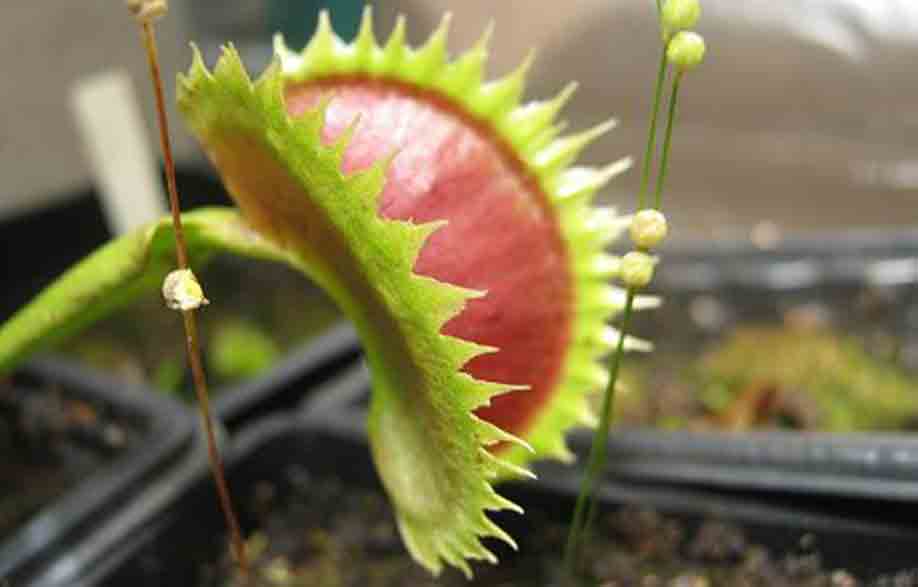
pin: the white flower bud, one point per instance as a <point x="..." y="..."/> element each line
<point x="637" y="269"/>
<point x="679" y="15"/>
<point x="148" y="10"/>
<point x="182" y="291"/>
<point x="648" y="228"/>
<point x="686" y="50"/>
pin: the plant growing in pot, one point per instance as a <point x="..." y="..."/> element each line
<point x="393" y="239"/>
<point x="307" y="491"/>
<point x="445" y="219"/>
<point x="790" y="370"/>
<point x="73" y="447"/>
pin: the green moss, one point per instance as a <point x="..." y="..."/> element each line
<point x="849" y="388"/>
<point x="770" y="376"/>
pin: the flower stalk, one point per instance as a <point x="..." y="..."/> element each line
<point x="147" y="12"/>
<point x="684" y="51"/>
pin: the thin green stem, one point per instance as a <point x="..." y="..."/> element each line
<point x="659" y="7"/>
<point x="586" y="506"/>
<point x="652" y="131"/>
<point x="667" y="140"/>
<point x="586" y="499"/>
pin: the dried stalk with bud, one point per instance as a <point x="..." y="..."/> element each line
<point x="181" y="290"/>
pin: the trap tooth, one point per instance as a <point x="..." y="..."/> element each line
<point x="490" y="434"/>
<point x="365" y="45"/>
<point x="605" y="298"/>
<point x="197" y="71"/>
<point x="610" y="337"/>
<point x="530" y="120"/>
<point x="428" y="61"/>
<point x="462" y="351"/>
<point x="604" y="225"/>
<point x="590" y="230"/>
<point x="645" y="302"/>
<point x="493" y="530"/>
<point x="506" y="469"/>
<point x="600" y="266"/>
<point x="452" y="552"/>
<point x="562" y="152"/>
<point x="541" y="141"/>
<point x="590" y="376"/>
<point x="497" y="502"/>
<point x="578" y="185"/>
<point x="467" y="71"/>
<point x="320" y="52"/>
<point x="269" y="86"/>
<point x="483" y="44"/>
<point x="499" y="97"/>
<point x="344" y="140"/>
<point x="229" y="66"/>
<point x="395" y="49"/>
<point x="280" y="47"/>
<point x="556" y="448"/>
<point x="480" y="393"/>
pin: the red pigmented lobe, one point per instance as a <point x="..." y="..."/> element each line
<point x="502" y="235"/>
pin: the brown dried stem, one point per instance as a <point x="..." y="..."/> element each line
<point x="192" y="346"/>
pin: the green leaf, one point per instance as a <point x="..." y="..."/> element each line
<point x="117" y="273"/>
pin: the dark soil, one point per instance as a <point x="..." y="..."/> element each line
<point x="258" y="312"/>
<point x="48" y="443"/>
<point x="836" y="359"/>
<point x="330" y="535"/>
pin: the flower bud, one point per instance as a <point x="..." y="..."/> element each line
<point x="686" y="50"/>
<point x="648" y="228"/>
<point x="148" y="10"/>
<point x="182" y="291"/>
<point x="637" y="269"/>
<point x="678" y="15"/>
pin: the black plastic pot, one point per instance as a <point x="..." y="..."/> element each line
<point x="180" y="537"/>
<point x="745" y="282"/>
<point x="348" y="392"/>
<point x="160" y="430"/>
<point x="165" y="424"/>
<point x="289" y="384"/>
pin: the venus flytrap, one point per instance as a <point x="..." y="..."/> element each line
<point x="683" y="50"/>
<point x="444" y="216"/>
